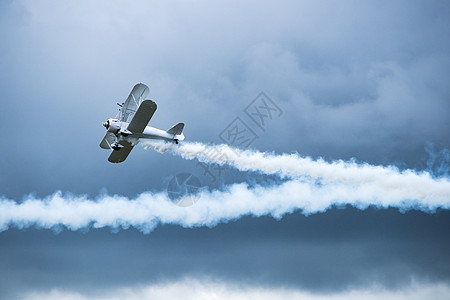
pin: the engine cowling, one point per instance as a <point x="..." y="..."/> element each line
<point x="112" y="125"/>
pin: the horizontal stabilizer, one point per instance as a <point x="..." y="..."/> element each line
<point x="177" y="129"/>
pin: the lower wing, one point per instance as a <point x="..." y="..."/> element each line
<point x="108" y="140"/>
<point x="118" y="156"/>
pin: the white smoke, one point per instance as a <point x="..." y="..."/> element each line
<point x="148" y="210"/>
<point x="387" y="180"/>
<point x="313" y="186"/>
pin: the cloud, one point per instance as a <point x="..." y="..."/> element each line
<point x="322" y="253"/>
<point x="196" y="289"/>
<point x="375" y="91"/>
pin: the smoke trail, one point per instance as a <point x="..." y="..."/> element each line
<point x="313" y="186"/>
<point x="148" y="210"/>
<point x="409" y="184"/>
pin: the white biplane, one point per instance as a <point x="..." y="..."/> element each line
<point x="130" y="125"/>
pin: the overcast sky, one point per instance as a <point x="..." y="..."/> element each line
<point x="363" y="80"/>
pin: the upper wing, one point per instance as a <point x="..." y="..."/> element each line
<point x="120" y="155"/>
<point x="109" y="139"/>
<point x="130" y="106"/>
<point x="142" y="116"/>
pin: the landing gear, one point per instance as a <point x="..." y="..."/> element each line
<point x="116" y="146"/>
<point x="176" y="141"/>
<point x="125" y="132"/>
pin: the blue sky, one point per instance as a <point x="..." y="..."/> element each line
<point x="353" y="80"/>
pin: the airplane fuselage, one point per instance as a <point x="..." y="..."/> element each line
<point x="119" y="129"/>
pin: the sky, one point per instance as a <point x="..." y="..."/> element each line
<point x="359" y="81"/>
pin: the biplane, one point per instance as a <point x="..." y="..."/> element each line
<point x="130" y="125"/>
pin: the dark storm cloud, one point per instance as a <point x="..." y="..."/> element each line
<point x="330" y="252"/>
<point x="364" y="80"/>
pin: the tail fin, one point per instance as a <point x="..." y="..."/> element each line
<point x="176" y="129"/>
